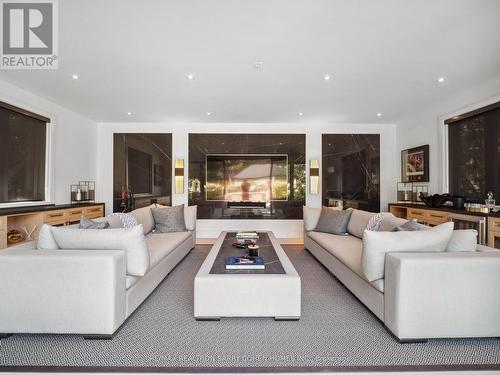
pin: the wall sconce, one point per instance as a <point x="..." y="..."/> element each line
<point x="179" y="176"/>
<point x="314" y="176"/>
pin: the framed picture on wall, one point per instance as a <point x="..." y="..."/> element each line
<point x="415" y="164"/>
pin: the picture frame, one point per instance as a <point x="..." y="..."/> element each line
<point x="415" y="164"/>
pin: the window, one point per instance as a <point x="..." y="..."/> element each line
<point x="23" y="140"/>
<point x="474" y="153"/>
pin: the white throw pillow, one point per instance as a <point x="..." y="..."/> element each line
<point x="311" y="216"/>
<point x="190" y="217"/>
<point x="377" y="244"/>
<point x="463" y="240"/>
<point x="144" y="216"/>
<point x="129" y="240"/>
<point x="46" y="240"/>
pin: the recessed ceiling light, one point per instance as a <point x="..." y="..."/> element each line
<point x="258" y="64"/>
<point x="301" y="113"/>
<point x="75" y="76"/>
<point x="327" y="77"/>
<point x="441" y="79"/>
<point x="190" y="77"/>
<point x="379" y="114"/>
<point x="129" y="113"/>
<point x="209" y="113"/>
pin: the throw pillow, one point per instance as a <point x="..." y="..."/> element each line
<point x="169" y="219"/>
<point x="410" y="226"/>
<point x="46" y="239"/>
<point x="358" y="222"/>
<point x="127" y="220"/>
<point x="131" y="241"/>
<point x="377" y="244"/>
<point x="90" y="224"/>
<point x="333" y="221"/>
<point x="376" y="220"/>
<point x="463" y="240"/>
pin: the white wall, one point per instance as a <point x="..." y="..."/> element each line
<point x="180" y="131"/>
<point x="73" y="140"/>
<point x="424" y="125"/>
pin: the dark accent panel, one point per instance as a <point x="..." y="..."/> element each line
<point x="351" y="170"/>
<point x="474" y="156"/>
<point x="142" y="167"/>
<point x="292" y="145"/>
<point x="23" y="141"/>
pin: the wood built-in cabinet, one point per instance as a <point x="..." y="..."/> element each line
<point x="37" y="216"/>
<point x="487" y="225"/>
<point x="494" y="232"/>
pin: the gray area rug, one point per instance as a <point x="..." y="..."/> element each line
<point x="335" y="331"/>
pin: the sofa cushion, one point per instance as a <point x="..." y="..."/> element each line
<point x="463" y="240"/>
<point x="145" y="217"/>
<point x="358" y="222"/>
<point x="333" y="221"/>
<point x="379" y="285"/>
<point x="347" y="249"/>
<point x="161" y="244"/>
<point x="131" y="280"/>
<point x="129" y="240"/>
<point x="389" y="222"/>
<point x="169" y="219"/>
<point x="377" y="244"/>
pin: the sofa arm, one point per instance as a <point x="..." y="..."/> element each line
<point x="430" y="295"/>
<point x="62" y="291"/>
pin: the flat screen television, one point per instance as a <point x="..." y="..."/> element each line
<point x="247" y="177"/>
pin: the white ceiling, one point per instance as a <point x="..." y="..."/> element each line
<point x="383" y="56"/>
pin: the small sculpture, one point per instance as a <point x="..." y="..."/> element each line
<point x="29" y="233"/>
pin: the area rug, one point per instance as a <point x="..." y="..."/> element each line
<point x="335" y="332"/>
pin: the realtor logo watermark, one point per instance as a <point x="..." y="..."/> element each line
<point x="29" y="34"/>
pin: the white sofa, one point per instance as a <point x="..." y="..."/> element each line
<point x="85" y="292"/>
<point x="422" y="295"/>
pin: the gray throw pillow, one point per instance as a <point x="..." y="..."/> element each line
<point x="91" y="224"/>
<point x="333" y="221"/>
<point x="410" y="226"/>
<point x="169" y="219"/>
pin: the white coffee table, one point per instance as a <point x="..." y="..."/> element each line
<point x="273" y="292"/>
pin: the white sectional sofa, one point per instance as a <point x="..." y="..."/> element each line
<point x="86" y="292"/>
<point x="422" y="294"/>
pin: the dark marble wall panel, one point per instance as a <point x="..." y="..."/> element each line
<point x="142" y="166"/>
<point x="351" y="170"/>
<point x="293" y="145"/>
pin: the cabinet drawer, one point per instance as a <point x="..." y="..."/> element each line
<point x="74" y="214"/>
<point x="416" y="213"/>
<point x="54" y="217"/>
<point x="494" y="224"/>
<point x="93" y="212"/>
<point x="436" y="217"/>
